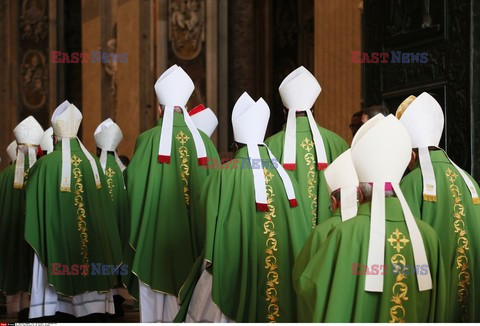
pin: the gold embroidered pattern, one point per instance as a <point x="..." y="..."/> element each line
<point x="307" y="145"/>
<point x="273" y="310"/>
<point x="81" y="213"/>
<point x="110" y="174"/>
<point x="184" y="168"/>
<point x="463" y="245"/>
<point x="399" y="290"/>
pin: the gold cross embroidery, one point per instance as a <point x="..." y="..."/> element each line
<point x="182" y="138"/>
<point x="452" y="176"/>
<point x="398" y="240"/>
<point x="76" y="160"/>
<point x="110" y="173"/>
<point x="307" y="144"/>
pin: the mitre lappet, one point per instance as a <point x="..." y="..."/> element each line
<point x="107" y="137"/>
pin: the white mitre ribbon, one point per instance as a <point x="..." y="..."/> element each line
<point x="31" y="151"/>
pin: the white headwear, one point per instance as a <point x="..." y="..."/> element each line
<point x="28" y="134"/>
<point x="174" y="88"/>
<point x="204" y="119"/>
<point x="423" y="118"/>
<point x="250" y="120"/>
<point x="66" y="121"/>
<point x="107" y="137"/>
<point x="298" y="91"/>
<point x="12" y="151"/>
<point x="381" y="156"/>
<point x="341" y="174"/>
<point x="46" y="144"/>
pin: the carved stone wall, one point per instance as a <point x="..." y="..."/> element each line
<point x="443" y="29"/>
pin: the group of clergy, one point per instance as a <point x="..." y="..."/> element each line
<point x="298" y="227"/>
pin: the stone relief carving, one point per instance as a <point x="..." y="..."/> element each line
<point x="33" y="19"/>
<point x="111" y="67"/>
<point x="187" y="27"/>
<point x="34" y="71"/>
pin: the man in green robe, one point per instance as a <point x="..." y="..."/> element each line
<point x="381" y="265"/>
<point x="71" y="227"/>
<point x="304" y="148"/>
<point x="107" y="137"/>
<point x="16" y="256"/>
<point x="167" y="170"/>
<point x="254" y="232"/>
<point x="445" y="197"/>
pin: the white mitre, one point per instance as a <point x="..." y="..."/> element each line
<point x="12" y="151"/>
<point x="298" y="91"/>
<point x="46" y="143"/>
<point x="380" y="156"/>
<point x="107" y="137"/>
<point x="204" y="119"/>
<point x="28" y="134"/>
<point x="341" y="175"/>
<point x="173" y="88"/>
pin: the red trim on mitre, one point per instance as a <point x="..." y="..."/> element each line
<point x="262" y="207"/>
<point x="293" y="202"/>
<point x="164" y="159"/>
<point x="290" y="166"/>
<point x="322" y="166"/>
<point x="39" y="151"/>
<point x="197" y="109"/>
<point x="202" y="161"/>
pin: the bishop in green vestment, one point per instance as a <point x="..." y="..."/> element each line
<point x="71" y="227"/>
<point x="303" y="147"/>
<point x="354" y="272"/>
<point x="445" y="197"/>
<point x="254" y="231"/>
<point x="167" y="170"/>
<point x="16" y="256"/>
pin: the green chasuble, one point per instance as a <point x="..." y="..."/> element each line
<point x="331" y="287"/>
<point x="72" y="228"/>
<point x="311" y="181"/>
<point x="250" y="253"/>
<point x="118" y="195"/>
<point x="16" y="256"/>
<point x="456" y="219"/>
<point x="160" y="196"/>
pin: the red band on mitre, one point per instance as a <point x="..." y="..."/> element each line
<point x="262" y="207"/>
<point x="293" y="202"/>
<point x="202" y="161"/>
<point x="39" y="151"/>
<point x="290" y="166"/>
<point x="195" y="110"/>
<point x="163" y="159"/>
<point x="322" y="166"/>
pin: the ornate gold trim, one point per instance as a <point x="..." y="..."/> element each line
<point x="110" y="173"/>
<point x="184" y="168"/>
<point x="399" y="289"/>
<point x="81" y="213"/>
<point x="462" y="243"/>
<point x="308" y="145"/>
<point x="273" y="310"/>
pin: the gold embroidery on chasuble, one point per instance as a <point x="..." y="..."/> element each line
<point x="463" y="246"/>
<point x="110" y="173"/>
<point x="184" y="168"/>
<point x="307" y="145"/>
<point x="399" y="290"/>
<point x="273" y="310"/>
<point x="81" y="213"/>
